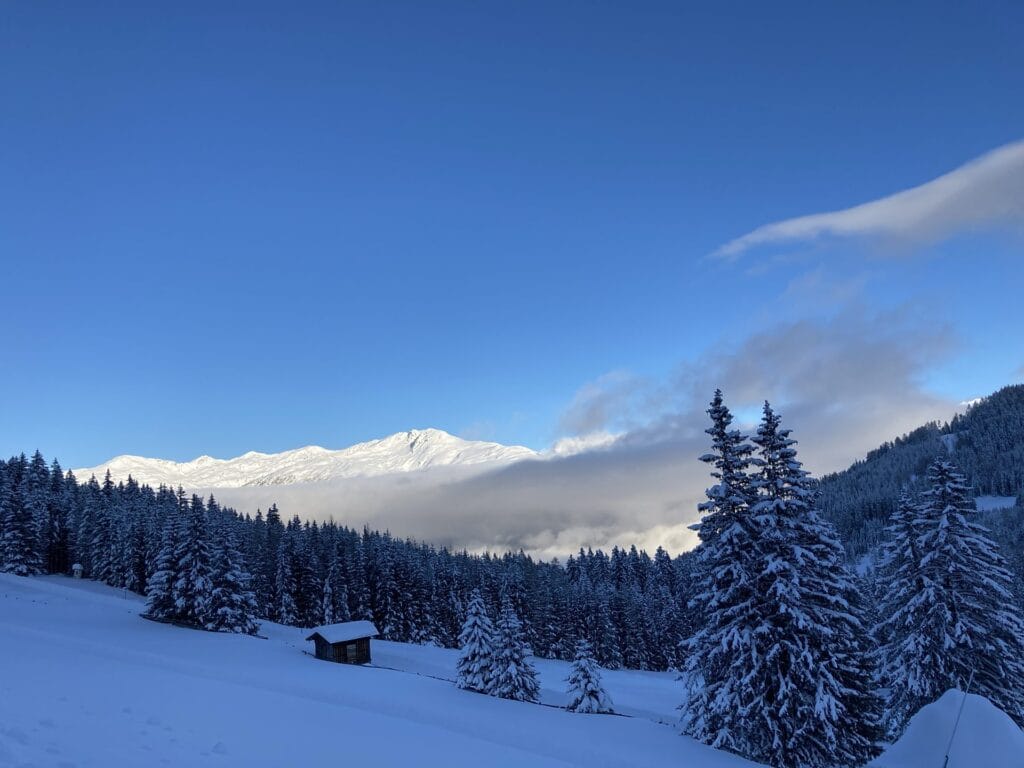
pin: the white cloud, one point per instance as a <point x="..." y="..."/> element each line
<point x="986" y="192"/>
<point x="592" y="441"/>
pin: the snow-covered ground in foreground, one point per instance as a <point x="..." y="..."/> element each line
<point x="85" y="682"/>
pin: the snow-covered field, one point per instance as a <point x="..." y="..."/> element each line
<point x="85" y="682"/>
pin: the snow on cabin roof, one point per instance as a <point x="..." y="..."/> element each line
<point x="345" y="631"/>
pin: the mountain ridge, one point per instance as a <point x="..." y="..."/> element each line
<point x="409" y="451"/>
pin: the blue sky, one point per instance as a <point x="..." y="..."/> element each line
<point x="227" y="228"/>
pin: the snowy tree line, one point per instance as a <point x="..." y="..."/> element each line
<point x="181" y="551"/>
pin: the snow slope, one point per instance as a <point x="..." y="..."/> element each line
<point x="403" y="452"/>
<point x="86" y="682"/>
<point x="986" y="737"/>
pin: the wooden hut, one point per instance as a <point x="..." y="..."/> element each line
<point x="346" y="643"/>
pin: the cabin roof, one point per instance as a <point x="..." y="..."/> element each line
<point x="345" y="631"/>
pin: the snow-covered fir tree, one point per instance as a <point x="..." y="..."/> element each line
<point x="232" y="605"/>
<point x="793" y="685"/>
<point x="586" y="694"/>
<point x="285" y="609"/>
<point x="475" y="667"/>
<point x="812" y="703"/>
<point x="513" y="676"/>
<point x="327" y="603"/>
<point x="723" y="602"/>
<point x="160" y="589"/>
<point x="949" y="609"/>
<point x="898" y="564"/>
<point x="193" y="587"/>
<point x="18" y="530"/>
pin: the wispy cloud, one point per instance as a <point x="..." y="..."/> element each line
<point x="986" y="192"/>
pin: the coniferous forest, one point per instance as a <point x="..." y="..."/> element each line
<point x="766" y="617"/>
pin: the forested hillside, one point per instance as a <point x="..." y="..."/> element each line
<point x="986" y="442"/>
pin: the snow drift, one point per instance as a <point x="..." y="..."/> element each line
<point x="985" y="738"/>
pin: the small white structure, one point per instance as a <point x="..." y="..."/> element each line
<point x="76" y="570"/>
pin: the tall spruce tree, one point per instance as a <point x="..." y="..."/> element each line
<point x="949" y="607"/>
<point x="513" y="675"/>
<point x="586" y="694"/>
<point x="285" y="609"/>
<point x="475" y="667"/>
<point x="792" y="678"/>
<point x="232" y="603"/>
<point x="724" y="599"/>
<point x="160" y="587"/>
<point x="194" y="586"/>
<point x="812" y="702"/>
<point x="17" y="528"/>
<point x="327" y="601"/>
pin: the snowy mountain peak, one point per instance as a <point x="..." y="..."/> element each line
<point x="409" y="451"/>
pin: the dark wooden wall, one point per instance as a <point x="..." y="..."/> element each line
<point x="351" y="652"/>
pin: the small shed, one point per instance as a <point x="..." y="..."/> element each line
<point x="346" y="643"/>
<point x="76" y="570"/>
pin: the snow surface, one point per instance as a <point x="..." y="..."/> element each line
<point x="989" y="503"/>
<point x="410" y="451"/>
<point x="87" y="682"/>
<point x="985" y="738"/>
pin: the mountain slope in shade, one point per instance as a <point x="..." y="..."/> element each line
<point x="402" y="452"/>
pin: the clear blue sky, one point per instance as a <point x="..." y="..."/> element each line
<point x="227" y="226"/>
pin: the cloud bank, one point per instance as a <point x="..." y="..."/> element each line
<point x="843" y="386"/>
<point x="983" y="193"/>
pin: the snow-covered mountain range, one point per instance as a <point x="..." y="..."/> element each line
<point x="402" y="452"/>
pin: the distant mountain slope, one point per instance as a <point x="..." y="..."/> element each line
<point x="986" y="442"/>
<point x="402" y="452"/>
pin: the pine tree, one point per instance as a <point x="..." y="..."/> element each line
<point x="724" y="601"/>
<point x="792" y="681"/>
<point x="812" y="704"/>
<point x="193" y="587"/>
<point x="359" y="594"/>
<point x="17" y="528"/>
<point x="476" y="660"/>
<point x="59" y="505"/>
<point x="950" y="610"/>
<point x="335" y="596"/>
<point x="232" y="603"/>
<point x="35" y="484"/>
<point x="327" y="603"/>
<point x="513" y="675"/>
<point x="160" y="589"/>
<point x="897" y="571"/>
<point x="285" y="611"/>
<point x="586" y="694"/>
